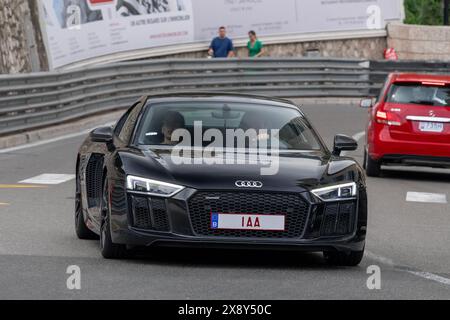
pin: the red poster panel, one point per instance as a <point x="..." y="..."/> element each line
<point x="101" y="2"/>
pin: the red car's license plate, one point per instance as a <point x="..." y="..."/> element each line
<point x="431" y="127"/>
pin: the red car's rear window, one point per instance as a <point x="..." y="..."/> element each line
<point x="417" y="93"/>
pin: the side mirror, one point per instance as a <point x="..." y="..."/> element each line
<point x="344" y="143"/>
<point x="366" y="103"/>
<point x="102" y="135"/>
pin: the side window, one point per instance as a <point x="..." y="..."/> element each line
<point x="128" y="127"/>
<point x="121" y="122"/>
<point x="384" y="89"/>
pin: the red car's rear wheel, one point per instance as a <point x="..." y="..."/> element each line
<point x="373" y="167"/>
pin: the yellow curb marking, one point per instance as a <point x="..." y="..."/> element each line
<point x="19" y="186"/>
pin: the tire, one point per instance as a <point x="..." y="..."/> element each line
<point x="108" y="249"/>
<point x="82" y="231"/>
<point x="339" y="258"/>
<point x="373" y="167"/>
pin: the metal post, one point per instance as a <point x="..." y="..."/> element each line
<point x="446" y="12"/>
<point x="30" y="39"/>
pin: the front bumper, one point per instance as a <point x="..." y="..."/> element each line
<point x="178" y="229"/>
<point x="149" y="239"/>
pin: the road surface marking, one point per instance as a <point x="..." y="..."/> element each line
<point x="18" y="186"/>
<point x="431" y="276"/>
<point x="49" y="178"/>
<point x="356" y="137"/>
<point x="426" y="197"/>
<point x="4" y="204"/>
<point x="422" y="274"/>
<point x="359" y="135"/>
<point x="378" y="258"/>
<point x="44" y="142"/>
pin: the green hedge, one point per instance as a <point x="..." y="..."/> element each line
<point x="425" y="12"/>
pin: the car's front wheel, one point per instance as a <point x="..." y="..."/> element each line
<point x="373" y="167"/>
<point x="344" y="258"/>
<point x="109" y="250"/>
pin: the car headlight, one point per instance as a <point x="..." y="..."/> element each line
<point x="337" y="192"/>
<point x="152" y="187"/>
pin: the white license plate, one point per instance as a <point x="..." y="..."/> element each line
<point x="261" y="222"/>
<point x="431" y="127"/>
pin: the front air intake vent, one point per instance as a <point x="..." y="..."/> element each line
<point x="338" y="219"/>
<point x="149" y="213"/>
<point x="94" y="180"/>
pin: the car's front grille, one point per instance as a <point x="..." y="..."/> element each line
<point x="149" y="213"/>
<point x="338" y="219"/>
<point x="293" y="206"/>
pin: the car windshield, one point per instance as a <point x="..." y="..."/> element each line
<point x="414" y="93"/>
<point x="261" y="122"/>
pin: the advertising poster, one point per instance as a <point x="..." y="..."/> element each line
<point x="82" y="29"/>
<point x="77" y="30"/>
<point x="272" y="17"/>
<point x="342" y="15"/>
<point x="266" y="17"/>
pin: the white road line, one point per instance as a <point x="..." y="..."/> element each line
<point x="422" y="274"/>
<point x="357" y="137"/>
<point x="48" y="141"/>
<point x="425" y="197"/>
<point x="431" y="276"/>
<point x="378" y="258"/>
<point x="49" y="178"/>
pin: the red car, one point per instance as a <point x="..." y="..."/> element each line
<point x="409" y="124"/>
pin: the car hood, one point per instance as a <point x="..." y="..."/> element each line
<point x="292" y="172"/>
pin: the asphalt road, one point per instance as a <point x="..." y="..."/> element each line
<point x="409" y="241"/>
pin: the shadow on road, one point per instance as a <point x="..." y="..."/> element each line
<point x="427" y="175"/>
<point x="211" y="258"/>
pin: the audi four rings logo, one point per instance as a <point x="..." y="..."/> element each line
<point x="249" y="184"/>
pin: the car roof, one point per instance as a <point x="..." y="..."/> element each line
<point x="415" y="77"/>
<point x="221" y="96"/>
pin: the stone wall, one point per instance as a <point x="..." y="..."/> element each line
<point x="365" y="48"/>
<point x="38" y="37"/>
<point x="21" y="46"/>
<point x="420" y="42"/>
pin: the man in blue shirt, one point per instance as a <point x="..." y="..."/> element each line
<point x="221" y="46"/>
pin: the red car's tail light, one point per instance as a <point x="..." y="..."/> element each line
<point x="388" y="118"/>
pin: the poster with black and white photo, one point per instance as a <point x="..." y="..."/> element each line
<point x="83" y="29"/>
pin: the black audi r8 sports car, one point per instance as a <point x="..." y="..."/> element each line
<point x="221" y="171"/>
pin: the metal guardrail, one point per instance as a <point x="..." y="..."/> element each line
<point x="30" y="101"/>
<point x="380" y="69"/>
